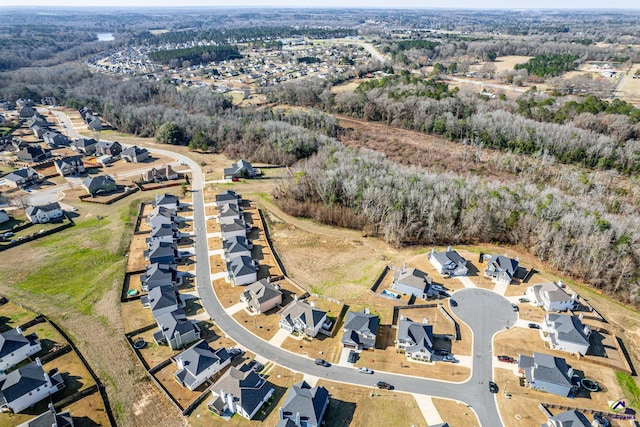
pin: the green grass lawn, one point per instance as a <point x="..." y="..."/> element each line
<point x="630" y="389"/>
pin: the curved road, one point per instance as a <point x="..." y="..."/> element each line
<point x="484" y="311"/>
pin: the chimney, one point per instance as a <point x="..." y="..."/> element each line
<point x="297" y="418"/>
<point x="312" y="304"/>
<point x="425" y="321"/>
<point x="404" y="267"/>
<point x="281" y="413"/>
<point x="366" y="311"/>
<point x="19" y="330"/>
<point x="180" y="362"/>
<point x="51" y="408"/>
<point x="581" y="316"/>
<point x="295" y="297"/>
<point x="449" y="249"/>
<point x="433" y="250"/>
<point x="587" y="331"/>
<point x="518" y="258"/>
<point x="38" y="362"/>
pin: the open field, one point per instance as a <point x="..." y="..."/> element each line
<point x="455" y="413"/>
<point x="630" y="90"/>
<point x="361" y="406"/>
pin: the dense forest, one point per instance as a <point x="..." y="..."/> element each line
<point x="548" y="65"/>
<point x="196" y="54"/>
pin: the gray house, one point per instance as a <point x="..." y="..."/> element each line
<point x="71" y="165"/>
<point x="161" y="253"/>
<point x="303" y="318"/>
<point x="33" y="154"/>
<point x="168" y="201"/>
<point x="176" y="330"/>
<point x="135" y="154"/>
<point x="161" y="215"/>
<point x="242" y="270"/>
<point x="448" y="263"/>
<point x="305" y="406"/>
<point x="241" y="169"/>
<point x="236" y="246"/>
<point x="161" y="300"/>
<point x="100" y="184"/>
<point x="360" y="330"/>
<point x="227" y="197"/>
<point x="15" y="347"/>
<point x="239" y="391"/>
<point x="567" y="333"/>
<point x="28" y="385"/>
<point x="198" y="363"/>
<point x="50" y="418"/>
<point x="544" y="372"/>
<point x="55" y="139"/>
<point x="108" y="148"/>
<point x="159" y="275"/>
<point x="571" y="418"/>
<point x="415" y="339"/>
<point x="412" y="281"/>
<point x="261" y="296"/>
<point x="501" y="269"/>
<point x="84" y="145"/>
<point x="44" y="213"/>
<point x="236" y="228"/>
<point x="21" y="177"/>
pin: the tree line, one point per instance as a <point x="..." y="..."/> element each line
<point x="196" y="54"/>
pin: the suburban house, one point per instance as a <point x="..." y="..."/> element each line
<point x="94" y="123"/>
<point x="168" y="201"/>
<point x="161" y="215"/>
<point x="99" y="184"/>
<point x="236" y="246"/>
<point x="161" y="300"/>
<point x="69" y="165"/>
<point x="227" y="197"/>
<point x="33" y="154"/>
<point x="412" y="281"/>
<point x="415" y="339"/>
<point x="26" y="112"/>
<point x="164" y="233"/>
<point x="241" y="169"/>
<point x="304" y="406"/>
<point x="159" y="275"/>
<point x="28" y="385"/>
<point x="198" y="363"/>
<point x="50" y="419"/>
<point x="230" y="213"/>
<point x="55" y="139"/>
<point x="21" y="177"/>
<point x="501" y="269"/>
<point x="448" y="263"/>
<point x="572" y="418"/>
<point x="360" y="330"/>
<point x="4" y="216"/>
<point x="45" y="213"/>
<point x="239" y="391"/>
<point x="108" y="148"/>
<point x="37" y="120"/>
<point x="261" y="296"/>
<point x="38" y="130"/>
<point x="85" y="146"/>
<point x="134" y="154"/>
<point x="236" y="228"/>
<point x="303" y="318"/>
<point x="551" y="296"/>
<point x="567" y="333"/>
<point x="544" y="372"/>
<point x="176" y="330"/>
<point x="15" y="347"/>
<point x="161" y="253"/>
<point x="158" y="175"/>
<point x="242" y="270"/>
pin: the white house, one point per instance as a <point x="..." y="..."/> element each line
<point x="239" y="391"/>
<point x="198" y="363"/>
<point x="261" y="296"/>
<point x="242" y="270"/>
<point x="15" y="347"/>
<point x="567" y="333"/>
<point x="303" y="318"/>
<point x="448" y="263"/>
<point x="415" y="339"/>
<point x="28" y="385"/>
<point x="551" y="297"/>
<point x="44" y="213"/>
<point x="412" y="281"/>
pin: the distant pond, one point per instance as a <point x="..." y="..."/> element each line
<point x="105" y="37"/>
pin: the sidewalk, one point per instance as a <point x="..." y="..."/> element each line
<point x="429" y="411"/>
<point x="466" y="282"/>
<point x="279" y="337"/>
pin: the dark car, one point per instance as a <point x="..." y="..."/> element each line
<point x="507" y="359"/>
<point x="383" y="385"/>
<point x="353" y="356"/>
<point x="255" y="365"/>
<point x="453" y="303"/>
<point x="514" y="307"/>
<point x="493" y="387"/>
<point x="322" y="362"/>
<point x="534" y="326"/>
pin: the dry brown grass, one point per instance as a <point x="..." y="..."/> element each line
<point x="136" y="261"/>
<point x="456" y="413"/>
<point x="88" y="411"/>
<point x="181" y="394"/>
<point x="134" y="316"/>
<point x="321" y="346"/>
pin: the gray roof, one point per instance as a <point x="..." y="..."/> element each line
<point x="413" y="277"/>
<point x="245" y="385"/>
<point x="230" y="209"/>
<point x="546" y="368"/>
<point x="309" y="315"/>
<point x="13" y="340"/>
<point x="262" y="291"/>
<point x="50" y="418"/>
<point x="21" y="381"/>
<point x="241" y="266"/>
<point x="21" y="174"/>
<point x="419" y="335"/>
<point x="197" y="359"/>
<point x="173" y="322"/>
<point x="501" y="263"/>
<point x="568" y="328"/>
<point x="49" y="207"/>
<point x="571" y="418"/>
<point x="84" y="142"/>
<point x="227" y="196"/>
<point x="357" y="325"/>
<point x="236" y="225"/>
<point x="447" y="257"/>
<point x="134" y="151"/>
<point x="93" y="183"/>
<point x="235" y="240"/>
<point x="156" y="272"/>
<point x="161" y="230"/>
<point x="70" y="160"/>
<point x="161" y="211"/>
<point x="161" y="297"/>
<point x="159" y="249"/>
<point x="309" y="402"/>
<point x="166" y="199"/>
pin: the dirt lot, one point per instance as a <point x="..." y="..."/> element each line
<point x="136" y="261"/>
<point x="88" y="411"/>
<point x="630" y="90"/>
<point x="134" y="316"/>
<point x="455" y="413"/>
<point x="183" y="395"/>
<point x="361" y="406"/>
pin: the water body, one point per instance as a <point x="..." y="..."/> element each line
<point x="105" y="37"/>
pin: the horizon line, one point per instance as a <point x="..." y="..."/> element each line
<point x="512" y="9"/>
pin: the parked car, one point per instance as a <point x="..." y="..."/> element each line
<point x="453" y="303"/>
<point x="323" y="362"/>
<point x="8" y="234"/>
<point x="449" y="358"/>
<point x="353" y="356"/>
<point x="234" y="351"/>
<point x="534" y="326"/>
<point x="437" y="287"/>
<point x="383" y="385"/>
<point x="514" y="307"/>
<point x="364" y="370"/>
<point x="523" y="300"/>
<point x="507" y="359"/>
<point x="493" y="387"/>
<point x="255" y="365"/>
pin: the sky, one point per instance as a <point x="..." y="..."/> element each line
<point x="466" y="4"/>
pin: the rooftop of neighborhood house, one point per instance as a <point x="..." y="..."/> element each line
<point x="263" y="290"/>
<point x="360" y="323"/>
<point x="568" y="328"/>
<point x="420" y="335"/>
<point x="546" y="368"/>
<point x="447" y="257"/>
<point x="197" y="359"/>
<point x="12" y="340"/>
<point x="412" y="277"/>
<point x="503" y="263"/>
<point x="244" y="384"/>
<point x="21" y="381"/>
<point x="308" y="314"/>
<point x="309" y="402"/>
<point x="571" y="418"/>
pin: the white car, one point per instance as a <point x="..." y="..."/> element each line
<point x="364" y="370"/>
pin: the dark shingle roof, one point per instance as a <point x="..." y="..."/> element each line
<point x="309" y="402"/>
<point x="413" y="277"/>
<point x="11" y="341"/>
<point x="358" y="324"/>
<point x="21" y="381"/>
<point x="245" y="385"/>
<point x="197" y="359"/>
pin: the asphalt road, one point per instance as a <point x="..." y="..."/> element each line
<point x="484" y="311"/>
